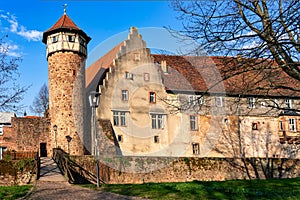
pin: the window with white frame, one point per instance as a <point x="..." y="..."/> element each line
<point x="288" y="103"/>
<point x="136" y="56"/>
<point x="219" y="101"/>
<point x="54" y="39"/>
<point x="251" y="102"/>
<point x="124" y="95"/>
<point x="193" y="122"/>
<point x="2" y="150"/>
<point x="292" y="124"/>
<point x="71" y="38"/>
<point x="119" y="118"/>
<point x="157" y="121"/>
<point x="196" y="148"/>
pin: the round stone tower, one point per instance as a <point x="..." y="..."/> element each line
<point x="66" y="54"/>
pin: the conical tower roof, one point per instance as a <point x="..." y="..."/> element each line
<point x="64" y="24"/>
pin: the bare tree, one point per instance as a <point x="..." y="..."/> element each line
<point x="11" y="93"/>
<point x="41" y="101"/>
<point x="257" y="29"/>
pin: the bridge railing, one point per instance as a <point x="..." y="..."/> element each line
<point x="74" y="172"/>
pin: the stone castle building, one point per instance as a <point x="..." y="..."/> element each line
<point x="162" y="105"/>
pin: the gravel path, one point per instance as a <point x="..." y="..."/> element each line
<point x="45" y="190"/>
<point x="52" y="185"/>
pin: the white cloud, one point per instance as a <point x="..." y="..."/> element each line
<point x="10" y="50"/>
<point x="15" y="27"/>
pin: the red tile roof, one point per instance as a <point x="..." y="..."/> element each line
<point x="230" y="75"/>
<point x="214" y="74"/>
<point x="64" y="22"/>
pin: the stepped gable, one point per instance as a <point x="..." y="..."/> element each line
<point x="104" y="62"/>
<point x="216" y="73"/>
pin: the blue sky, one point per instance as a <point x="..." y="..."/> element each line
<point x="25" y="21"/>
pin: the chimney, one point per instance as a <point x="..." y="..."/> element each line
<point x="164" y="66"/>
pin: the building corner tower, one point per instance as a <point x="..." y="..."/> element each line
<point x="66" y="46"/>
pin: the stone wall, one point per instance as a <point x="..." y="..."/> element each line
<point x="25" y="133"/>
<point x="123" y="170"/>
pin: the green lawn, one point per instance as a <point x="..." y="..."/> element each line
<point x="238" y="189"/>
<point x="13" y="192"/>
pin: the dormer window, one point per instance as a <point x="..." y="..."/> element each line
<point x="71" y="38"/>
<point x="54" y="39"/>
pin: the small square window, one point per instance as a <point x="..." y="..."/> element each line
<point x="156" y="139"/>
<point x="128" y="75"/>
<point x="146" y="77"/>
<point x="136" y="57"/>
<point x="254" y="126"/>
<point x="288" y="103"/>
<point x="152" y="97"/>
<point x="120" y="138"/>
<point x="292" y="124"/>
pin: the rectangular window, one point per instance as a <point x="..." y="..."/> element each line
<point x="120" y="138"/>
<point x="292" y="124"/>
<point x="196" y="148"/>
<point x="137" y="56"/>
<point x="124" y="95"/>
<point x="193" y="123"/>
<point x="281" y="126"/>
<point x="195" y="100"/>
<point x="157" y="121"/>
<point x="251" y="102"/>
<point x="156" y="139"/>
<point x="54" y="39"/>
<point x="219" y="101"/>
<point x="119" y="118"/>
<point x="288" y="103"/>
<point x="128" y="75"/>
<point x="1" y="130"/>
<point x="146" y="77"/>
<point x="71" y="38"/>
<point x="152" y="97"/>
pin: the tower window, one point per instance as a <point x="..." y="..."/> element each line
<point x="71" y="38"/>
<point x="136" y="56"/>
<point x="54" y="39"/>
<point x="254" y="126"/>
<point x="288" y="103"/>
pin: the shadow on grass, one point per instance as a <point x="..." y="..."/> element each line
<point x="237" y="189"/>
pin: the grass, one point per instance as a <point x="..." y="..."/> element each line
<point x="13" y="192"/>
<point x="237" y="189"/>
